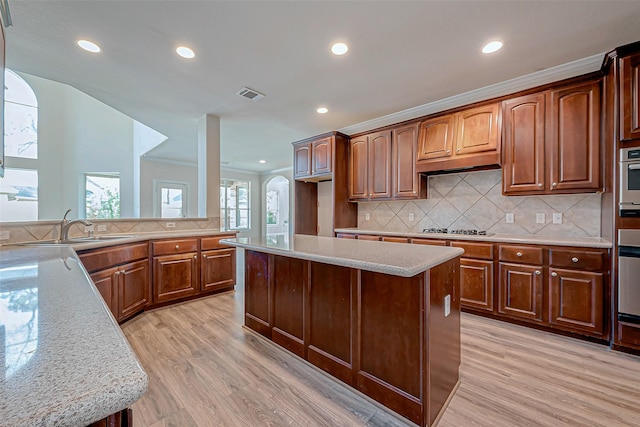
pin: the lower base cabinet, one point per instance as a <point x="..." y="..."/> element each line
<point x="175" y="277"/>
<point x="520" y="291"/>
<point x="217" y="270"/>
<point x="576" y="300"/>
<point x="476" y="283"/>
<point x="123" y="418"/>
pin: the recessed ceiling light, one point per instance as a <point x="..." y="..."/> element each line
<point x="88" y="46"/>
<point x="322" y="110"/>
<point x="492" y="46"/>
<point x="262" y="161"/>
<point x="185" y="52"/>
<point x="339" y="48"/>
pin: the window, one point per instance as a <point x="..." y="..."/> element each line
<point x="170" y="199"/>
<point x="19" y="195"/>
<point x="102" y="196"/>
<point x="234" y="204"/>
<point x="20" y="118"/>
<point x="273" y="206"/>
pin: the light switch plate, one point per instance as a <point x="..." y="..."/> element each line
<point x="509" y="218"/>
<point x="540" y="218"/>
<point x="447" y="305"/>
<point x="102" y="227"/>
<point x="367" y="216"/>
<point x="171" y="225"/>
<point x="5" y="235"/>
<point x="557" y="218"/>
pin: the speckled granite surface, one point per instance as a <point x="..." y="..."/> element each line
<point x="586" y="242"/>
<point x="399" y="259"/>
<point x="66" y="361"/>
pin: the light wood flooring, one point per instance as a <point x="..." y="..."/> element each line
<point x="206" y="370"/>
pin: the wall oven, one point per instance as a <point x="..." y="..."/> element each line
<point x="630" y="181"/>
<point x="629" y="275"/>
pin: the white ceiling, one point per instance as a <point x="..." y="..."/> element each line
<point x="402" y="54"/>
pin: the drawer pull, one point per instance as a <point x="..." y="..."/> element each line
<point x="448" y="151"/>
<point x="554" y="274"/>
<point x="519" y="253"/>
<point x="554" y="185"/>
<point x="539" y="184"/>
<point x="117" y="273"/>
<point x="574" y="259"/>
<point x="177" y="246"/>
<point x="195" y="257"/>
<point x="538" y="272"/>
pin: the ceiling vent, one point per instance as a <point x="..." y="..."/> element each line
<point x="251" y="94"/>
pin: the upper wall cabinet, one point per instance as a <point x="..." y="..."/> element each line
<point x="630" y="98"/>
<point x="465" y="139"/>
<point x="407" y="183"/>
<point x="551" y="141"/>
<point x="312" y="160"/>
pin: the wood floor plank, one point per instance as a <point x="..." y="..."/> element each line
<point x="205" y="369"/>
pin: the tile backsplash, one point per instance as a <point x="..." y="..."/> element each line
<point x="475" y="200"/>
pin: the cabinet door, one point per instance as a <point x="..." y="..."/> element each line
<point x="379" y="165"/>
<point x="405" y="178"/>
<point x="520" y="288"/>
<point x="217" y="270"/>
<point x="476" y="284"/>
<point x="358" y="148"/>
<point x="302" y="160"/>
<point x="630" y="98"/>
<point x="321" y="157"/>
<point x="574" y="148"/>
<point x="436" y="137"/>
<point x="257" y="293"/>
<point x="290" y="277"/>
<point x="523" y="144"/>
<point x="133" y="288"/>
<point x="175" y="276"/>
<point x="576" y="300"/>
<point x="105" y="281"/>
<point x="477" y="130"/>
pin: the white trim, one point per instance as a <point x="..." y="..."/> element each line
<point x="550" y="75"/>
<point x="170" y="161"/>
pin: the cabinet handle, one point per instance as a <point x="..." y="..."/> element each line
<point x="539" y="184"/>
<point x="554" y="274"/>
<point x="449" y="151"/>
<point x="195" y="257"/>
<point x="458" y="150"/>
<point x="518" y="253"/>
<point x="117" y="273"/>
<point x="538" y="272"/>
<point x="177" y="246"/>
<point x="575" y="259"/>
<point x="554" y="184"/>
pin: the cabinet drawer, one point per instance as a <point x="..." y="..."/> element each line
<point x="207" y="243"/>
<point x="345" y="236"/>
<point x="368" y="237"/>
<point x="98" y="259"/>
<point x="475" y="250"/>
<point x="395" y="239"/>
<point x="178" y="246"/>
<point x="587" y="260"/>
<point x="432" y="242"/>
<point x="629" y="334"/>
<point x="520" y="254"/>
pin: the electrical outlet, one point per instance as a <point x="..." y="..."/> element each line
<point x="411" y="216"/>
<point x="88" y="228"/>
<point x="102" y="227"/>
<point x="367" y="216"/>
<point x="540" y="218"/>
<point x="509" y="218"/>
<point x="171" y="225"/>
<point x="557" y="218"/>
<point x="5" y="235"/>
<point x="447" y="305"/>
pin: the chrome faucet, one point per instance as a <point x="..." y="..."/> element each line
<point x="65" y="225"/>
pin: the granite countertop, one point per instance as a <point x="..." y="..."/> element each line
<point x="586" y="242"/>
<point x="399" y="259"/>
<point x="66" y="361"/>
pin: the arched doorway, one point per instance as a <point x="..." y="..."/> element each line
<point x="277" y="208"/>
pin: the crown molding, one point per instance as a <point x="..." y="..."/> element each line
<point x="539" y="78"/>
<point x="169" y="161"/>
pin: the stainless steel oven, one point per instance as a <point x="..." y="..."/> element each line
<point x="630" y="182"/>
<point x="629" y="275"/>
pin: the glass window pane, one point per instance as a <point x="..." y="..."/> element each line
<point x="20" y="131"/>
<point x="17" y="90"/>
<point x="102" y="196"/>
<point x="171" y="204"/>
<point x="19" y="195"/>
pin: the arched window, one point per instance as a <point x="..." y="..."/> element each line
<point x="19" y="187"/>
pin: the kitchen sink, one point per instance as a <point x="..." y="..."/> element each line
<point x="75" y="240"/>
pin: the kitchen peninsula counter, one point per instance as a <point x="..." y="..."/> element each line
<point x="381" y="317"/>
<point x="66" y="361"/>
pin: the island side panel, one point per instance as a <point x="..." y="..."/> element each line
<point x="442" y="339"/>
<point x="391" y="324"/>
<point x="257" y="294"/>
<point x="331" y="303"/>
<point x="290" y="276"/>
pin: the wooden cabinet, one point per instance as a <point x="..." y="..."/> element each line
<point x="476" y="275"/>
<point x="313" y="159"/>
<point x="630" y="97"/>
<point x="464" y="139"/>
<point x="358" y="168"/>
<point x="175" y="269"/>
<point x="217" y="264"/>
<point x="121" y="274"/>
<point x="406" y="181"/>
<point x="370" y="167"/>
<point x="521" y="282"/>
<point x="551" y="141"/>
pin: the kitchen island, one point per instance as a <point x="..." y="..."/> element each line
<point x="383" y="318"/>
<point x="66" y="361"/>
